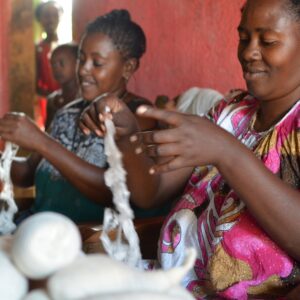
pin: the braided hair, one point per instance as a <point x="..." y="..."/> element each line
<point x="127" y="36"/>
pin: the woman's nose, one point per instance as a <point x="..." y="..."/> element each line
<point x="250" y="52"/>
<point x="84" y="67"/>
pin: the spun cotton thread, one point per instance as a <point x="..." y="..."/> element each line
<point x="126" y="246"/>
<point x="8" y="205"/>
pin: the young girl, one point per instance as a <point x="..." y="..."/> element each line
<point x="48" y="15"/>
<point x="237" y="169"/>
<point x="66" y="166"/>
<point x="63" y="64"/>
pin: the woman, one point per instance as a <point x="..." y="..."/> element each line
<point x="67" y="167"/>
<point x="238" y="168"/>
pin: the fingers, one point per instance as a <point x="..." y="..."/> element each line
<point x="171" y="118"/>
<point x="170" y="165"/>
<point x="92" y="118"/>
<point x="162" y="150"/>
<point x="156" y="136"/>
<point x="88" y="125"/>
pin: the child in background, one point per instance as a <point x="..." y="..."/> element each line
<point x="48" y="15"/>
<point x="63" y="63"/>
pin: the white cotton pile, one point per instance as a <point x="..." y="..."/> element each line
<point x="7" y="203"/>
<point x="98" y="274"/>
<point x="13" y="285"/>
<point x="177" y="293"/>
<point x="44" y="243"/>
<point x="38" y="294"/>
<point x="126" y="247"/>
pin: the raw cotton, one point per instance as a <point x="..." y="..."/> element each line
<point x="126" y="246"/>
<point x="98" y="275"/>
<point x="7" y="204"/>
<point x="45" y="243"/>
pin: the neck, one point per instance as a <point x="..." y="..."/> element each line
<point x="272" y="111"/>
<point x="70" y="90"/>
<point x="51" y="37"/>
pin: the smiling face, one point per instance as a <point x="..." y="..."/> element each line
<point x="101" y="67"/>
<point x="269" y="50"/>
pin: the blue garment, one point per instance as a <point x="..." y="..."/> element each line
<point x="53" y="191"/>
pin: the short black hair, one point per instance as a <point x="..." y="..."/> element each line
<point x="72" y="47"/>
<point x="42" y="5"/>
<point x="127" y="36"/>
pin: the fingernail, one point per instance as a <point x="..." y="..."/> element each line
<point x="142" y="109"/>
<point x="107" y="109"/>
<point x="133" y="138"/>
<point x="101" y="118"/>
<point x="98" y="132"/>
<point x="138" y="150"/>
<point x="151" y="171"/>
<point x="86" y="131"/>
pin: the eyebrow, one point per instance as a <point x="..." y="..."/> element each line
<point x="259" y="29"/>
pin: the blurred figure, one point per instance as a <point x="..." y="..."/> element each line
<point x="197" y="101"/>
<point x="63" y="63"/>
<point x="48" y="15"/>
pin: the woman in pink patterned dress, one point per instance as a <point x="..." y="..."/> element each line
<point x="239" y="180"/>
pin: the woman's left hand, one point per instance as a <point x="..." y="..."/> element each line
<point x="109" y="106"/>
<point x="17" y="128"/>
<point x="188" y="142"/>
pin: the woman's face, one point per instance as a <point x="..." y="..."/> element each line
<point x="269" y="50"/>
<point x="101" y="66"/>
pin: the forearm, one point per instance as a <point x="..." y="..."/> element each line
<point x="23" y="170"/>
<point x="142" y="185"/>
<point x="87" y="178"/>
<point x="151" y="190"/>
<point x="265" y="195"/>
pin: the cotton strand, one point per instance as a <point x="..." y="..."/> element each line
<point x="126" y="246"/>
<point x="8" y="206"/>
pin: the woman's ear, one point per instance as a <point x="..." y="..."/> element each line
<point x="131" y="65"/>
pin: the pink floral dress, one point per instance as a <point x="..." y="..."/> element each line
<point x="235" y="257"/>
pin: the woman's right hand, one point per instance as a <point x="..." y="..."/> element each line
<point x="111" y="107"/>
<point x="19" y="129"/>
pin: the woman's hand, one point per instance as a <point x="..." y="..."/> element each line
<point x="109" y="106"/>
<point x="188" y="142"/>
<point x="17" y="128"/>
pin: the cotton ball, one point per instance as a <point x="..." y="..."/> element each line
<point x="37" y="295"/>
<point x="13" y="285"/>
<point x="44" y="243"/>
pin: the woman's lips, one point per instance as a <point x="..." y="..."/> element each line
<point x="251" y="75"/>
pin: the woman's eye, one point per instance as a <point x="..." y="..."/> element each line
<point x="268" y="42"/>
<point x="98" y="64"/>
<point x="243" y="39"/>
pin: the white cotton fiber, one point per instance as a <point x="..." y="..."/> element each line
<point x="13" y="285"/>
<point x="98" y="274"/>
<point x="44" y="243"/>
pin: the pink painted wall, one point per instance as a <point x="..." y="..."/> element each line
<point x="190" y="42"/>
<point x="5" y="16"/>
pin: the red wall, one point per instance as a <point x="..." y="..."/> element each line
<point x="5" y="15"/>
<point x="190" y="42"/>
